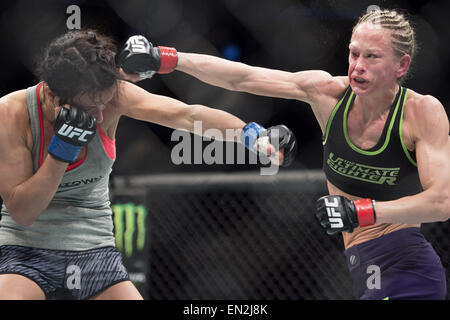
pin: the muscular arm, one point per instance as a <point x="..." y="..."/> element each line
<point x="304" y="85"/>
<point x="139" y="104"/>
<point x="315" y="87"/>
<point x="433" y="154"/>
<point x="24" y="194"/>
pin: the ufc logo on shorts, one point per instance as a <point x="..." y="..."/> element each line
<point x="71" y="132"/>
<point x="138" y="44"/>
<point x="333" y="216"/>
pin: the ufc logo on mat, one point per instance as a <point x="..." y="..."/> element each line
<point x="70" y="132"/>
<point x="333" y="216"/>
<point x="138" y="44"/>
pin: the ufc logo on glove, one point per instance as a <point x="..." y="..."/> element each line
<point x="334" y="217"/>
<point x="337" y="213"/>
<point x="138" y="44"/>
<point x="71" y="132"/>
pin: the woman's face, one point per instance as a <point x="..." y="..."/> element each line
<point x="94" y="105"/>
<point x="372" y="64"/>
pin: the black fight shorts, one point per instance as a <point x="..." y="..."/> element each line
<point x="63" y="274"/>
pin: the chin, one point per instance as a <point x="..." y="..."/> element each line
<point x="360" y="91"/>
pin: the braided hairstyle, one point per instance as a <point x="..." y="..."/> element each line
<point x="79" y="62"/>
<point x="402" y="33"/>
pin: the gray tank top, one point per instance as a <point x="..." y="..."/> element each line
<point x="79" y="217"/>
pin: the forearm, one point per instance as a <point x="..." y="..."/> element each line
<point x="31" y="197"/>
<point x="214" y="123"/>
<point x="212" y="70"/>
<point x="428" y="206"/>
<point x="337" y="213"/>
<point x="237" y="76"/>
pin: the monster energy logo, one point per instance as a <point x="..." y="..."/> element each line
<point x="363" y="172"/>
<point x="129" y="219"/>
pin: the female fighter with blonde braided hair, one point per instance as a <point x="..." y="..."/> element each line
<point x="386" y="152"/>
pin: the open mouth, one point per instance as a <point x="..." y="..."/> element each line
<point x="359" y="80"/>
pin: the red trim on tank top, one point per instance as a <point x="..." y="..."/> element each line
<point x="108" y="144"/>
<point x="41" y="124"/>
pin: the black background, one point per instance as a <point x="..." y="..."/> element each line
<point x="288" y="35"/>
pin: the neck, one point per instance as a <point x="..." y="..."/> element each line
<point x="373" y="106"/>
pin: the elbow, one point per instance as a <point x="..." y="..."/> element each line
<point x="444" y="208"/>
<point x="239" y="83"/>
<point x="21" y="212"/>
<point x="437" y="204"/>
<point x="21" y="218"/>
<point x="447" y="210"/>
<point x="232" y="86"/>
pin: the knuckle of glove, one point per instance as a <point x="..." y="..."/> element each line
<point x="332" y="232"/>
<point x="61" y="117"/>
<point x="321" y="213"/>
<point x="138" y="55"/>
<point x="320" y="203"/>
<point x="283" y="139"/>
<point x="75" y="126"/>
<point x="331" y="214"/>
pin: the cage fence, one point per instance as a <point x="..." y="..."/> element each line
<point x="240" y="237"/>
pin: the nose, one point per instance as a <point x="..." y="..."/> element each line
<point x="360" y="66"/>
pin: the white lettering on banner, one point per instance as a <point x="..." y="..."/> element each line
<point x="247" y="309"/>
<point x="200" y="310"/>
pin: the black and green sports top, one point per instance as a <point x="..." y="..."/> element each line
<point x="387" y="171"/>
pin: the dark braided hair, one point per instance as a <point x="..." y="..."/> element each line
<point x="79" y="62"/>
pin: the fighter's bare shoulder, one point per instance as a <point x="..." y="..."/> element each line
<point x="317" y="84"/>
<point x="323" y="92"/>
<point x="424" y="116"/>
<point x="422" y="103"/>
<point x="13" y="109"/>
<point x="13" y="100"/>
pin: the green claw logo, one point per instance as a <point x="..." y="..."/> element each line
<point x="128" y="220"/>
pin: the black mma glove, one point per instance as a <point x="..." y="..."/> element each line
<point x="139" y="56"/>
<point x="337" y="213"/>
<point x="74" y="128"/>
<point x="279" y="136"/>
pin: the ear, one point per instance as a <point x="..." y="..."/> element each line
<point x="403" y="65"/>
<point x="48" y="91"/>
<point x="54" y="98"/>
